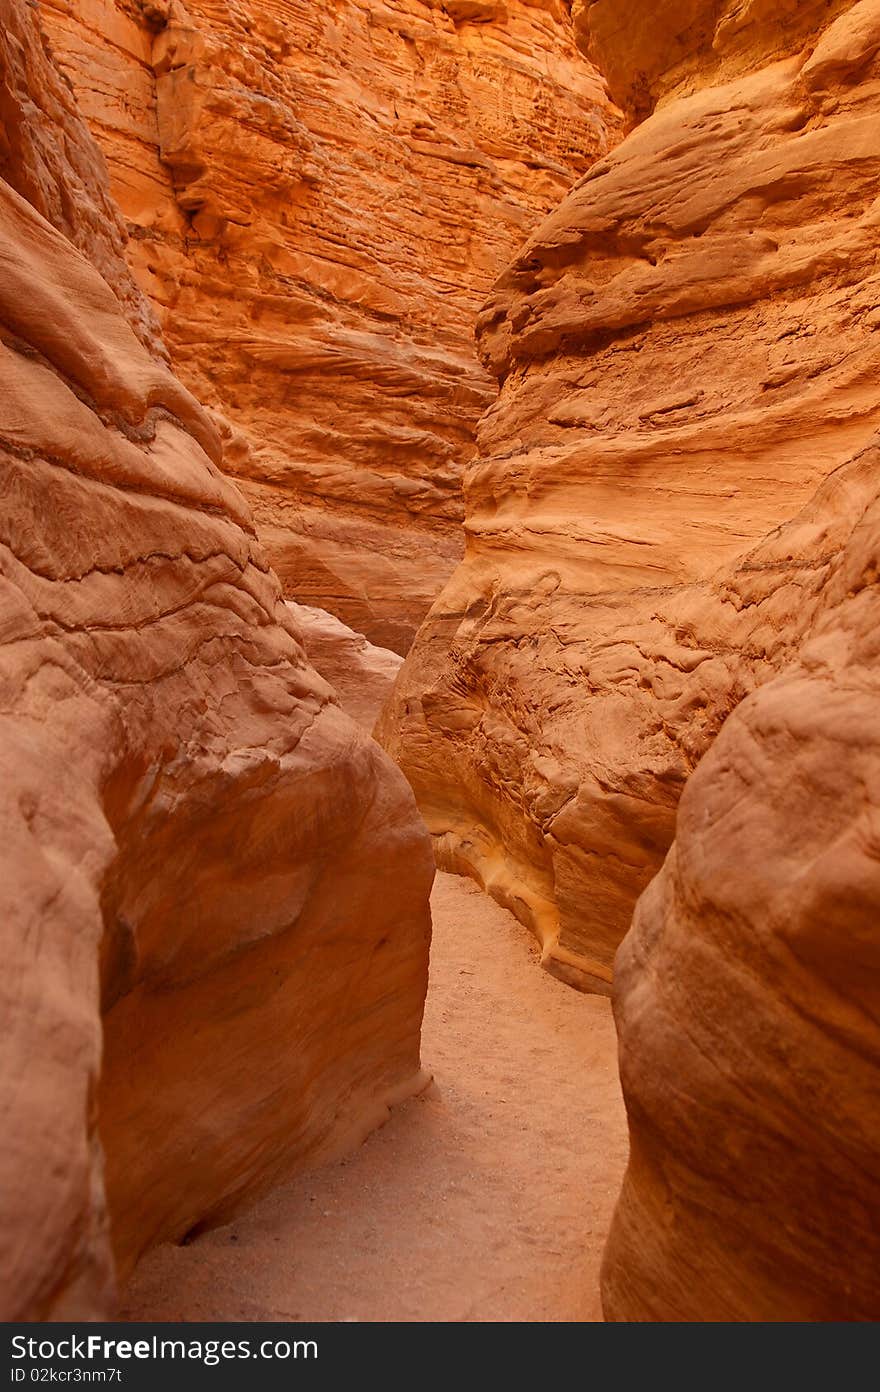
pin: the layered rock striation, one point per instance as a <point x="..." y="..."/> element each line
<point x="747" y="994"/>
<point x="319" y="197"/>
<point x="201" y="989"/>
<point x="688" y="350"/>
<point x="361" y="674"/>
<point x="671" y="586"/>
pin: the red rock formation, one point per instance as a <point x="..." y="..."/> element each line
<point x="201" y="989"/>
<point x="320" y="194"/>
<point x="361" y="674"/>
<point x="747" y="995"/>
<point x="66" y="183"/>
<point x="688" y="347"/>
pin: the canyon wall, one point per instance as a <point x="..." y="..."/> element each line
<point x="673" y="547"/>
<point x="319" y="197"/>
<point x="688" y="349"/>
<point x="361" y="674"/>
<point x="747" y="994"/>
<point x="201" y="989"/>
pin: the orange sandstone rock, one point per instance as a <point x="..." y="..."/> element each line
<point x="688" y="348"/>
<point x="320" y="195"/>
<point x="361" y="674"/>
<point x="63" y="179"/>
<point x="653" y="54"/>
<point x="201" y="989"/>
<point x="747" y="994"/>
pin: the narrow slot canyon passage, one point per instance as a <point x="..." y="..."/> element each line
<point x="487" y="1198"/>
<point x="427" y="428"/>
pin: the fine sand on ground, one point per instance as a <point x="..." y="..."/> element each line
<point x="486" y="1198"/>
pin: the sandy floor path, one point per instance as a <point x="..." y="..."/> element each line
<point x="487" y="1198"/>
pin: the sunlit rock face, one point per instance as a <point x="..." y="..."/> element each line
<point x="688" y="350"/>
<point x="320" y="195"/>
<point x="201" y="989"/>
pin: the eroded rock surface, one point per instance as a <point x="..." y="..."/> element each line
<point x="65" y="181"/>
<point x="320" y="195"/>
<point x="747" y="995"/>
<point x="201" y="989"/>
<point x="361" y="674"/>
<point x="688" y="349"/>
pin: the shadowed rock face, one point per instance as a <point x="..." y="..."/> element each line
<point x="201" y="990"/>
<point x="321" y="192"/>
<point x="688" y="349"/>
